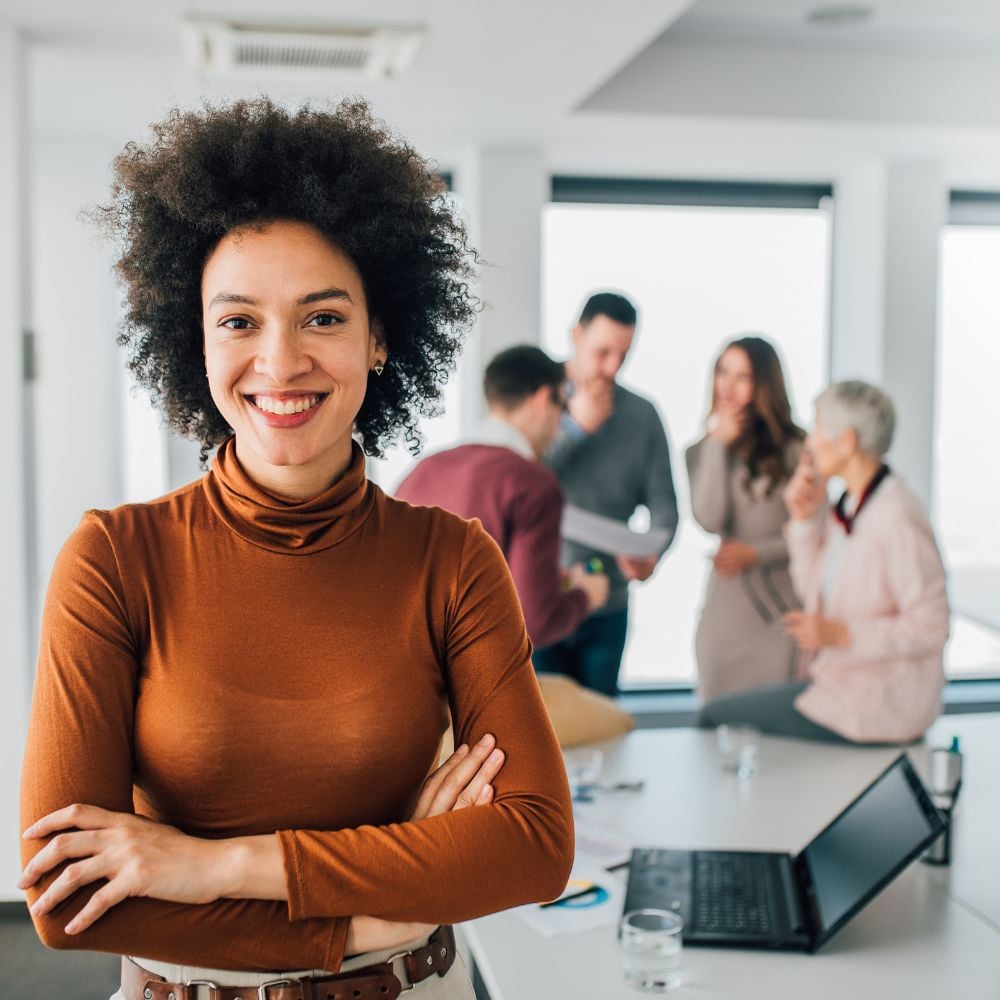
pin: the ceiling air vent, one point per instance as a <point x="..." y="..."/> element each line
<point x="254" y="52"/>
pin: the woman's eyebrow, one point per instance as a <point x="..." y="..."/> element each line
<point x="327" y="293"/>
<point x="246" y="300"/>
<point x="232" y="297"/>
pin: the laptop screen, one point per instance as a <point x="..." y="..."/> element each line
<point x="869" y="842"/>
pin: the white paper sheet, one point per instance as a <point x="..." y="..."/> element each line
<point x="605" y="534"/>
<point x="600" y="908"/>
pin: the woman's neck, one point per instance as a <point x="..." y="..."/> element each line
<point x="860" y="470"/>
<point x="296" y="482"/>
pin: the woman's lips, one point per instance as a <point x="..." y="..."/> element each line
<point x="302" y="407"/>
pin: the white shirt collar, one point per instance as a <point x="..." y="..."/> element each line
<point x="501" y="434"/>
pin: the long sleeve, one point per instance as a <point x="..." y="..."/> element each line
<point x="80" y="749"/>
<point x="806" y="544"/>
<point x="475" y="861"/>
<point x="709" y="473"/>
<point x="550" y="612"/>
<point x="915" y="578"/>
<point x="658" y="492"/>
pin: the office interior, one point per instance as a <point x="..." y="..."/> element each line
<point x="826" y="175"/>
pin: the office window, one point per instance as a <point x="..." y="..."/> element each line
<point x="700" y="275"/>
<point x="967" y="475"/>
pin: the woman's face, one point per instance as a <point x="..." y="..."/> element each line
<point x="830" y="454"/>
<point x="734" y="384"/>
<point x="288" y="347"/>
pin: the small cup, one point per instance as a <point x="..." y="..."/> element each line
<point x="583" y="769"/>
<point x="738" y="748"/>
<point x="651" y="947"/>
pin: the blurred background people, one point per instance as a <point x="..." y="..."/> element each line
<point x="499" y="478"/>
<point x="872" y="581"/>
<point x="737" y="473"/>
<point x="611" y="456"/>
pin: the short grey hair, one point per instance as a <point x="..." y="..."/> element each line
<point x="859" y="407"/>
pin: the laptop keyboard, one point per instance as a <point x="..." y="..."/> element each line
<point x="731" y="893"/>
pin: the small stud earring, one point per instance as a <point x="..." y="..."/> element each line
<point x="379" y="367"/>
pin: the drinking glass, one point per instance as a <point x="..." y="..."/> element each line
<point x="738" y="748"/>
<point x="651" y="950"/>
<point x="583" y="769"/>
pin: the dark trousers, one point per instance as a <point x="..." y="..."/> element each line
<point x="591" y="655"/>
<point x="771" y="708"/>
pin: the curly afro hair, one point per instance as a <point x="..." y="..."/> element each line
<point x="248" y="163"/>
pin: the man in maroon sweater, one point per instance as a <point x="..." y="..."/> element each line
<point x="499" y="479"/>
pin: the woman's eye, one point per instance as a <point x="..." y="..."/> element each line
<point x="324" y="319"/>
<point x="236" y="323"/>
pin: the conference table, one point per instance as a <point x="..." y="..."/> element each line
<point x="933" y="933"/>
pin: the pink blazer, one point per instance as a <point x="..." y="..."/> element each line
<point x="890" y="591"/>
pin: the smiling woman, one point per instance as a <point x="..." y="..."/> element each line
<point x="243" y="686"/>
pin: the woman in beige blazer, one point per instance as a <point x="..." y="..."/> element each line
<point x="737" y="472"/>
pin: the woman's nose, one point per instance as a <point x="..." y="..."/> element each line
<point x="281" y="358"/>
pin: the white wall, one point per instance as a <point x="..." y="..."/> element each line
<point x="14" y="607"/>
<point x="78" y="390"/>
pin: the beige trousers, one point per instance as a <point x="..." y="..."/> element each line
<point x="455" y="985"/>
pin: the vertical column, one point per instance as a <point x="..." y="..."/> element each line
<point x="885" y="284"/>
<point x="16" y="535"/>
<point x="858" y="283"/>
<point x="503" y="190"/>
<point x="916" y="211"/>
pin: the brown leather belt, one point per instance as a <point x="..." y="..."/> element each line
<point x="372" y="982"/>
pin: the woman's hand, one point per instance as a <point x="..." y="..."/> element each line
<point x="137" y="856"/>
<point x="812" y="631"/>
<point x="806" y="490"/>
<point x="734" y="557"/>
<point x="463" y="780"/>
<point x="728" y="423"/>
<point x="637" y="567"/>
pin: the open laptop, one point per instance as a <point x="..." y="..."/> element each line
<point x="770" y="900"/>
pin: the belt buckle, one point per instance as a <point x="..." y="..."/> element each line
<point x="392" y="958"/>
<point x="203" y="982"/>
<point x="263" y="988"/>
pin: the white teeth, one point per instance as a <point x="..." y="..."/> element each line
<point x="283" y="407"/>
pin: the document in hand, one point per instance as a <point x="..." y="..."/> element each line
<point x="605" y="534"/>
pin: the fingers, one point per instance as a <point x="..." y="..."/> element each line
<point x="98" y="904"/>
<point x="433" y="784"/>
<point x="72" y="878"/>
<point x="482" y="780"/>
<point x="60" y="848"/>
<point x="80" y="816"/>
<point x="475" y="770"/>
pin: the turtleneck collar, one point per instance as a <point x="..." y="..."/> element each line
<point x="293" y="527"/>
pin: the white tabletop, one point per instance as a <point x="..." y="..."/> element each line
<point x="932" y="933"/>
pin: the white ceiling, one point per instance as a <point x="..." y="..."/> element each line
<point x="570" y="75"/>
<point x="913" y="63"/>
<point x="488" y="71"/>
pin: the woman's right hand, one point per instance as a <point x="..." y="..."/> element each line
<point x="806" y="490"/>
<point x="728" y="423"/>
<point x="463" y="780"/>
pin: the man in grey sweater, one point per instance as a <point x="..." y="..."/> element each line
<point x="611" y="456"/>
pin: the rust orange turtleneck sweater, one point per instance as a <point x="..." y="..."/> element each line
<point x="233" y="664"/>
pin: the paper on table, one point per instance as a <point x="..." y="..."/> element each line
<point x="601" y="848"/>
<point x="600" y="908"/>
<point x="605" y="534"/>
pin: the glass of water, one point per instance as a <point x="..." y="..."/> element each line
<point x="583" y="769"/>
<point x="738" y="748"/>
<point x="651" y="950"/>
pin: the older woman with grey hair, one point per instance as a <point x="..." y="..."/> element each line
<point x="875" y="619"/>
